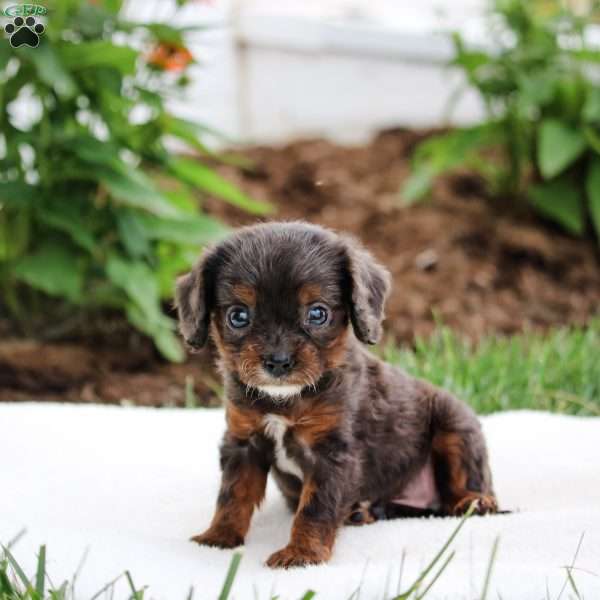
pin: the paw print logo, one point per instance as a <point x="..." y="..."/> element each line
<point x="24" y="32"/>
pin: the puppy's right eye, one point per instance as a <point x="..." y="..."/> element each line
<point x="238" y="317"/>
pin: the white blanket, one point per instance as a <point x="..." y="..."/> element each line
<point x="132" y="484"/>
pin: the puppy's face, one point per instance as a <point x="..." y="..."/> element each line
<point x="278" y="299"/>
<point x="280" y="329"/>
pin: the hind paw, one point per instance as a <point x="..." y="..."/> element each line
<point x="485" y="504"/>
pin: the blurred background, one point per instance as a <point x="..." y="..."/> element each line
<point x="460" y="140"/>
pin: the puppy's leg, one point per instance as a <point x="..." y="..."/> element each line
<point x="244" y="479"/>
<point x="313" y="530"/>
<point x="460" y="458"/>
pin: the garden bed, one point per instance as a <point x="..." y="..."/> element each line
<point x="461" y="259"/>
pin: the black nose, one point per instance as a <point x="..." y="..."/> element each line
<point x="278" y="364"/>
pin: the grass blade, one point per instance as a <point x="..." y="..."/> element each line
<point x="401" y="571"/>
<point x="6" y="588"/>
<point x="438" y="556"/>
<point x="135" y="593"/>
<point x="105" y="588"/>
<point x="564" y="587"/>
<point x="40" y="577"/>
<point x="78" y="572"/>
<point x="436" y="576"/>
<point x="61" y="592"/>
<point x="234" y="565"/>
<point x="572" y="583"/>
<point x="17" y="568"/>
<point x="17" y="537"/>
<point x="309" y="595"/>
<point x="488" y="574"/>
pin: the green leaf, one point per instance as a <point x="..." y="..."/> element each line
<point x="132" y="234"/>
<point x="191" y="132"/>
<point x="197" y="174"/>
<point x="591" y="108"/>
<point x="535" y="89"/>
<point x="592" y="138"/>
<point x="560" y="200"/>
<point x="559" y="145"/>
<point x="161" y="330"/>
<point x="172" y="261"/>
<point x="52" y="72"/>
<point x="586" y="54"/>
<point x="444" y="152"/>
<point x="5" y="56"/>
<point x="592" y="187"/>
<point x="15" y="232"/>
<point x="95" y="152"/>
<point x="169" y="344"/>
<point x="418" y="184"/>
<point x="183" y="200"/>
<point x="18" y="195"/>
<point x="99" y="53"/>
<point x="114" y="6"/>
<point x="165" y="33"/>
<point x="53" y="269"/>
<point x="187" y="131"/>
<point x="68" y="215"/>
<point x="193" y="229"/>
<point x="137" y="280"/>
<point x="134" y="188"/>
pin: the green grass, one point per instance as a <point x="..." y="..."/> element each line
<point x="15" y="585"/>
<point x="559" y="371"/>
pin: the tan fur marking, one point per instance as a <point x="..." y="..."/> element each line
<point x="225" y="358"/>
<point x="242" y="423"/>
<point x="335" y="354"/>
<point x="309" y="293"/>
<point x="308" y="368"/>
<point x="450" y="447"/>
<point x="316" y="423"/>
<point x="245" y="294"/>
<point x="308" y="491"/>
<point x="231" y="521"/>
<point x="250" y="363"/>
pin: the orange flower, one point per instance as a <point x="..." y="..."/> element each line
<point x="170" y="57"/>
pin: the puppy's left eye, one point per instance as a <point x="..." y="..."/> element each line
<point x="238" y="317"/>
<point x="317" y="315"/>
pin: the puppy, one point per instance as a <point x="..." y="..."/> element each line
<point x="290" y="307"/>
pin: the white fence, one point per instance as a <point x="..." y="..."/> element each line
<point x="273" y="71"/>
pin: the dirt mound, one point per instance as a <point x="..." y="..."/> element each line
<point x="461" y="258"/>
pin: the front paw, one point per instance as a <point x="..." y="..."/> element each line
<point x="219" y="538"/>
<point x="293" y="556"/>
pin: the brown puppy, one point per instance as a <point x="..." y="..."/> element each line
<point x="289" y="307"/>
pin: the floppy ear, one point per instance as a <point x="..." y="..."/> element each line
<point x="369" y="287"/>
<point x="194" y="300"/>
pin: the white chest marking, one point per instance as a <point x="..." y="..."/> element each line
<point x="275" y="428"/>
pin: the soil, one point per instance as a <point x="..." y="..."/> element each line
<point x="463" y="259"/>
